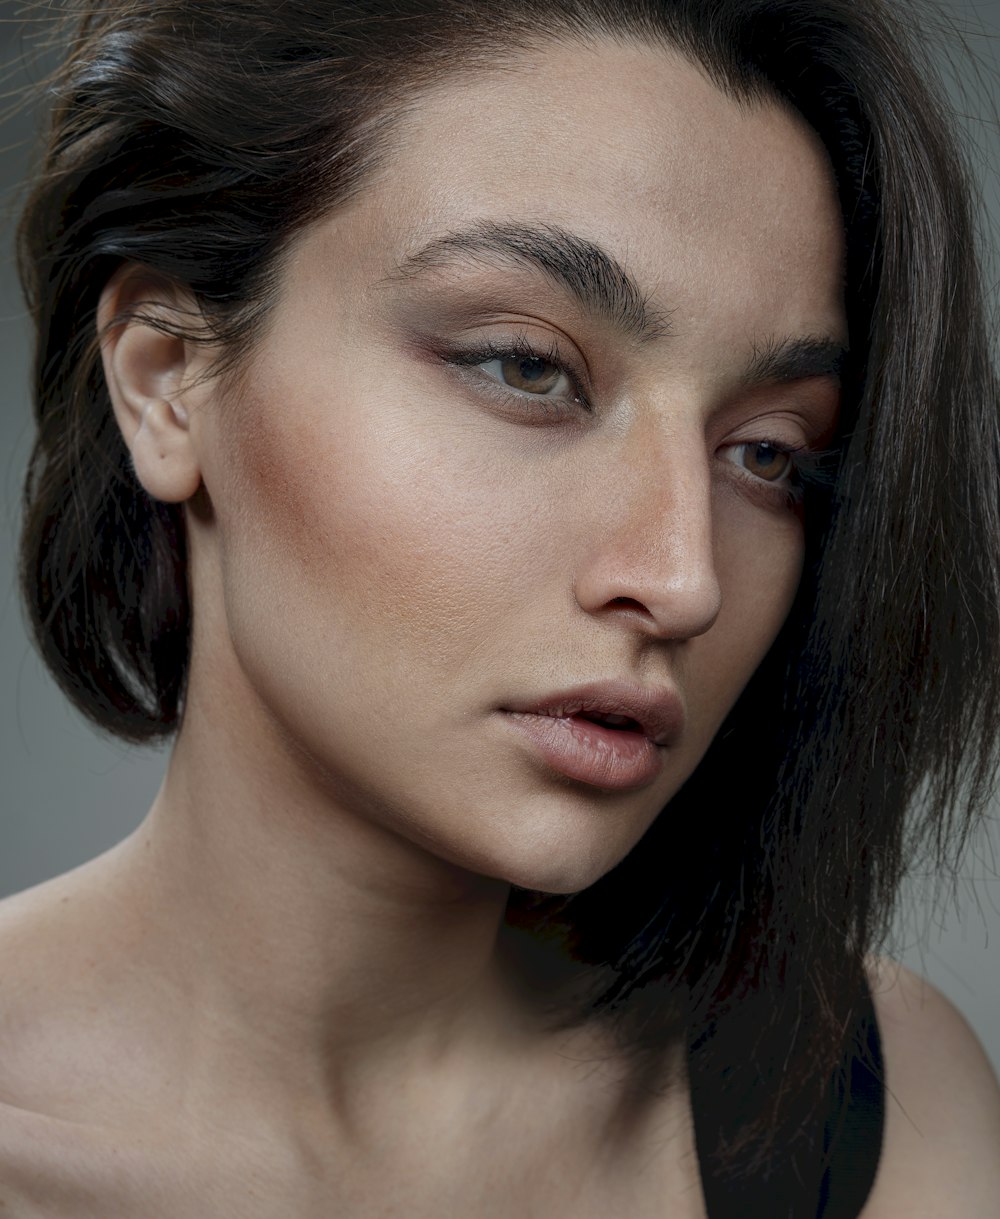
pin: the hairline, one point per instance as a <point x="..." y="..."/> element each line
<point x="389" y="122"/>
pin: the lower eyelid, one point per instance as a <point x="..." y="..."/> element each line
<point x="470" y="365"/>
<point x="542" y="407"/>
<point x="779" y="493"/>
<point x="770" y="495"/>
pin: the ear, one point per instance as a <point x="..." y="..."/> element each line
<point x="147" y="371"/>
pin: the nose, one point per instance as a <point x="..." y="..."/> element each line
<point x="650" y="553"/>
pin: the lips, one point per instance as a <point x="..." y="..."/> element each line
<point x="655" y="712"/>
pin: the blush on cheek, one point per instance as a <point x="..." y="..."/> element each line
<point x="288" y="492"/>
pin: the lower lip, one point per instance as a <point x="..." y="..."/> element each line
<point x="583" y="750"/>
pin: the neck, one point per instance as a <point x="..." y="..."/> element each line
<point x="304" y="950"/>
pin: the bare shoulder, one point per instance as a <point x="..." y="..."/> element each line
<point x="59" y="1054"/>
<point x="941" y="1151"/>
<point x="64" y="1003"/>
<point x="27" y="1134"/>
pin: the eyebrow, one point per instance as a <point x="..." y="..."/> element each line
<point x="604" y="287"/>
<point x="795" y="360"/>
<point x="598" y="281"/>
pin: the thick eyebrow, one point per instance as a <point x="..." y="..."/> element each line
<point x="795" y="360"/>
<point x="597" y="280"/>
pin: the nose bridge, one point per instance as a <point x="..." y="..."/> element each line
<point x="656" y="540"/>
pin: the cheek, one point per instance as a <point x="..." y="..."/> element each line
<point x="355" y="523"/>
<point x="764" y="581"/>
<point x="759" y="562"/>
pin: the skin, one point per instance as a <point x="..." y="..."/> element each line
<point x="299" y="948"/>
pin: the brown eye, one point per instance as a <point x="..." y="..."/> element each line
<point x="766" y="462"/>
<point x="530" y="374"/>
<point x="535" y="380"/>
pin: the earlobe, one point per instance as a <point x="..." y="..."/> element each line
<point x="147" y="369"/>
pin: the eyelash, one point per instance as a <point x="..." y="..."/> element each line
<point x="521" y="348"/>
<point x="812" y="469"/>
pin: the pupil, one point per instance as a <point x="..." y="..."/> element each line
<point x="531" y="369"/>
<point x="768" y="460"/>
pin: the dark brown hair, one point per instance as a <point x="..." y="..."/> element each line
<point x="198" y="137"/>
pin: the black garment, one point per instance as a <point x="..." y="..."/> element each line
<point x="830" y="1174"/>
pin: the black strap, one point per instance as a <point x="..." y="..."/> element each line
<point x="830" y="1171"/>
<point x="852" y="1137"/>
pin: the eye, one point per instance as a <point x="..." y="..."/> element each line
<point x="764" y="459"/>
<point x="529" y="374"/>
<point x="538" y="382"/>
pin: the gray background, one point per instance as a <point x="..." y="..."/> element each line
<point x="66" y="794"/>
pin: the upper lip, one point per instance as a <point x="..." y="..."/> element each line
<point x="658" y="710"/>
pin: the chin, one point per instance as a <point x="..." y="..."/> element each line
<point x="552" y="846"/>
<point x="567" y="873"/>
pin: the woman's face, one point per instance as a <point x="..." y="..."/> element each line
<point x="507" y="433"/>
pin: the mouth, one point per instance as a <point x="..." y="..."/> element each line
<point x="606" y="751"/>
<point x="615" y="706"/>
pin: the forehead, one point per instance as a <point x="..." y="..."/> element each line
<point x="631" y="146"/>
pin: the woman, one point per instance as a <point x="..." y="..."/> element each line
<point x="526" y="457"/>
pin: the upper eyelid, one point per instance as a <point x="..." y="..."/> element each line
<point x="518" y="345"/>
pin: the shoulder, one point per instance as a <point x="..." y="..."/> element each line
<point x="62" y="1002"/>
<point x="941" y="1149"/>
<point x="60" y="1155"/>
